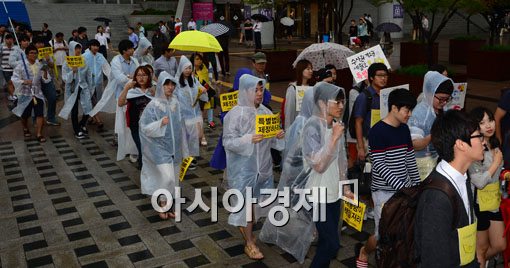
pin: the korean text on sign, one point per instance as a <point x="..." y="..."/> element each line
<point x="43" y="52"/>
<point x="186" y="162"/>
<point x="353" y="215"/>
<point x="267" y="125"/>
<point x="75" y="61"/>
<point x="359" y="63"/>
<point x="228" y="101"/>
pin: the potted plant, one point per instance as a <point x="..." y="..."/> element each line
<point x="415" y="53"/>
<point x="414" y="74"/>
<point x="279" y="64"/>
<point x="490" y="63"/>
<point x="461" y="47"/>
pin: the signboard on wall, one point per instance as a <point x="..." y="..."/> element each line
<point x="398" y="11"/>
<point x="203" y="11"/>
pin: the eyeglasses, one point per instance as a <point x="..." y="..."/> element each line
<point x="479" y="136"/>
<point x="32" y="52"/>
<point x="443" y="100"/>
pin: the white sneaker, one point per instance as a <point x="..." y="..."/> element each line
<point x="133" y="158"/>
<point x="370" y="213"/>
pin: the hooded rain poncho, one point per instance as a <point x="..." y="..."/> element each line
<point x="188" y="97"/>
<point x="248" y="164"/>
<point x="318" y="164"/>
<point x="73" y="82"/>
<point x="98" y="66"/>
<point x="143" y="53"/>
<point x="162" y="146"/>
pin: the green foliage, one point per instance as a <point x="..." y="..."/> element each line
<point x="151" y="11"/>
<point x="414" y="70"/>
<point x="468" y="38"/>
<point x="264" y="3"/>
<point x="501" y="48"/>
<point x="150" y="27"/>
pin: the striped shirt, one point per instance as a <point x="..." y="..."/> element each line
<point x="6" y="52"/>
<point x="393" y="160"/>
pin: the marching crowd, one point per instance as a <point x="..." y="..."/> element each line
<point x="161" y="104"/>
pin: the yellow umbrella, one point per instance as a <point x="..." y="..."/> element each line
<point x="195" y="41"/>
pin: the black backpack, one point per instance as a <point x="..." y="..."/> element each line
<point x="396" y="245"/>
<point x="352" y="120"/>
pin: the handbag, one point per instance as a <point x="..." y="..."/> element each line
<point x="361" y="172"/>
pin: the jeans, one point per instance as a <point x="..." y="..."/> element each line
<point x="329" y="239"/>
<point x="258" y="40"/>
<point x="224" y="61"/>
<point x="136" y="138"/>
<point x="51" y="98"/>
<point x="77" y="126"/>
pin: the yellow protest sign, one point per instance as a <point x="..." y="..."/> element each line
<point x="489" y="198"/>
<point x="267" y="125"/>
<point x="75" y="61"/>
<point x="44" y="51"/>
<point x="353" y="215"/>
<point x="467" y="243"/>
<point x="228" y="100"/>
<point x="184" y="167"/>
<point x="375" y="117"/>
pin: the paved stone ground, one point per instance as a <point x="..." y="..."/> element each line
<point x="68" y="203"/>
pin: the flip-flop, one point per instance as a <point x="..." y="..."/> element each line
<point x="41" y="139"/>
<point x="26" y="133"/>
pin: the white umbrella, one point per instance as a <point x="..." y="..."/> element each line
<point x="287" y="21"/>
<point x="322" y="54"/>
<point x="215" y="29"/>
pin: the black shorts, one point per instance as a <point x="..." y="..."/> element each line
<point x="7" y="75"/>
<point x="37" y="108"/>
<point x="484" y="218"/>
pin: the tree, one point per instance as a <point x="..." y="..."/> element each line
<point x="342" y="15"/>
<point x="439" y="13"/>
<point x="493" y="11"/>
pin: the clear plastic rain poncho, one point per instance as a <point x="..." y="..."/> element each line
<point x="290" y="105"/>
<point x="98" y="65"/>
<point x="189" y="97"/>
<point x="323" y="166"/>
<point x="248" y="164"/>
<point x="143" y="52"/>
<point x="25" y="93"/>
<point x="73" y="82"/>
<point x="162" y="146"/>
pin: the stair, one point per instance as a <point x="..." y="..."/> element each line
<point x="64" y="17"/>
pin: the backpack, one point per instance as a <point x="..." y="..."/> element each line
<point x="352" y="120"/>
<point x="396" y="245"/>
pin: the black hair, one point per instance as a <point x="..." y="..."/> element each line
<point x="449" y="127"/>
<point x="38" y="39"/>
<point x="205" y="63"/>
<point x="438" y="68"/>
<point x="23" y="38"/>
<point x="74" y="31"/>
<point x="81" y="30"/>
<point x="78" y="45"/>
<point x="340" y="95"/>
<point x="45" y="25"/>
<point x="329" y="67"/>
<point x="190" y="78"/>
<point x="99" y="26"/>
<point x="59" y="34"/>
<point x="30" y="47"/>
<point x="94" y="42"/>
<point x="131" y="28"/>
<point x="168" y="80"/>
<point x="9" y="36"/>
<point x="125" y="45"/>
<point x="477" y="115"/>
<point x="372" y="70"/>
<point x="446" y="87"/>
<point x="401" y="97"/>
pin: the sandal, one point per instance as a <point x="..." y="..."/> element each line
<point x="163" y="216"/>
<point x="203" y="142"/>
<point x="171" y="215"/>
<point x="253" y="252"/>
<point x="26" y="133"/>
<point x="41" y="139"/>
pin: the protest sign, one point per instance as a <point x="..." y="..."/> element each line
<point x="267" y="125"/>
<point x="300" y="94"/>
<point x="184" y="167"/>
<point x="359" y="63"/>
<point x="44" y="51"/>
<point x="75" y="61"/>
<point x="228" y="101"/>
<point x="384" y="94"/>
<point x="353" y="215"/>
<point x="458" y="96"/>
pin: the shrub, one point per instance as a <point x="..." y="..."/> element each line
<point x="502" y="48"/>
<point x="151" y="11"/>
<point x="468" y="38"/>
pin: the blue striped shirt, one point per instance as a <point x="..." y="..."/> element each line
<point x="393" y="159"/>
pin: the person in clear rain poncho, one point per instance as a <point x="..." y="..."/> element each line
<point x="78" y="85"/>
<point x="143" y="52"/>
<point x="98" y="66"/>
<point x="437" y="92"/>
<point x="163" y="147"/>
<point x="324" y="164"/>
<point x="189" y="92"/>
<point x="249" y="162"/>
